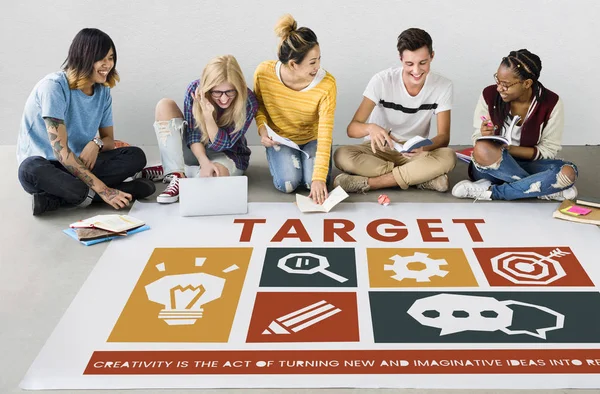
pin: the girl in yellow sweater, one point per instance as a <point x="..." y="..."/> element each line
<point x="297" y="99"/>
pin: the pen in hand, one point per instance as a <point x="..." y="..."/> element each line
<point x="489" y="122"/>
<point x="389" y="133"/>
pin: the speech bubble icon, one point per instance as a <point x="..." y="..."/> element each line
<point x="541" y="331"/>
<point x="457" y="313"/>
<point x="307" y="264"/>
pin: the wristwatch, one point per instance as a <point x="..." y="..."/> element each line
<point x="98" y="142"/>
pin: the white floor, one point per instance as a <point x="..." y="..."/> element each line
<point x="41" y="269"/>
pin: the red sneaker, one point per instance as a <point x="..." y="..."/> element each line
<point x="154" y="173"/>
<point x="171" y="193"/>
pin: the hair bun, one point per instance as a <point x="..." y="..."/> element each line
<point x="285" y="25"/>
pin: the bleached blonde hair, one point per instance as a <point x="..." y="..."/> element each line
<point x="78" y="80"/>
<point x="219" y="70"/>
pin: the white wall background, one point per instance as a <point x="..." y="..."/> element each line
<point x="163" y="45"/>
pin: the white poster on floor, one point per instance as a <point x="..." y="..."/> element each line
<point x="407" y="295"/>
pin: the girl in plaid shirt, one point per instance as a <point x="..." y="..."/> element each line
<point x="218" y="109"/>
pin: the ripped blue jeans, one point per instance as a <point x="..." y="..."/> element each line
<point x="291" y="168"/>
<point x="514" y="179"/>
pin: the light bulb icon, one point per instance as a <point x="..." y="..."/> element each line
<point x="184" y="295"/>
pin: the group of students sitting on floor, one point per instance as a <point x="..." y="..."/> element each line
<point x="67" y="155"/>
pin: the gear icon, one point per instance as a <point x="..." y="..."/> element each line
<point x="400" y="267"/>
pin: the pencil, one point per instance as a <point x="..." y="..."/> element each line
<point x="302" y="318"/>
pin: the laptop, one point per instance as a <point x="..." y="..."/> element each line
<point x="227" y="195"/>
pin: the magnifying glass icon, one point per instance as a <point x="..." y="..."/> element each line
<point x="307" y="264"/>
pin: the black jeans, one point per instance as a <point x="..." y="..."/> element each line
<point x="38" y="174"/>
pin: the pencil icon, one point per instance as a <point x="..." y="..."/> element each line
<point x="302" y="318"/>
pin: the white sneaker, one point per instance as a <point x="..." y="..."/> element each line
<point x="567" y="194"/>
<point x="477" y="190"/>
<point x="171" y="193"/>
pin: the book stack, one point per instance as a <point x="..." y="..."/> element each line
<point x="102" y="228"/>
<point x="589" y="201"/>
<point x="578" y="212"/>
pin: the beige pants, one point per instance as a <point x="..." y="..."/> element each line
<point x="360" y="160"/>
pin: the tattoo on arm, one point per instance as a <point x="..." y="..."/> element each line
<point x="80" y="171"/>
<point x="53" y="123"/>
<point x="109" y="193"/>
<point x="58" y="145"/>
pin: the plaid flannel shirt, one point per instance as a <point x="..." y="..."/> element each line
<point x="234" y="146"/>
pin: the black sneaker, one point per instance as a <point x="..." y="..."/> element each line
<point x="43" y="202"/>
<point x="138" y="188"/>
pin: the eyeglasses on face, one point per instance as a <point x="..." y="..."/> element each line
<point x="504" y="85"/>
<point x="216" y="94"/>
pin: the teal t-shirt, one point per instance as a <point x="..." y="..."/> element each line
<point x="83" y="116"/>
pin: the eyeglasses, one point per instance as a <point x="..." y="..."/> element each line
<point x="216" y="94"/>
<point x="504" y="85"/>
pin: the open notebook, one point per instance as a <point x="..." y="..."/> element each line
<point x="506" y="136"/>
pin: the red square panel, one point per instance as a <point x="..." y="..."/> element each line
<point x="535" y="266"/>
<point x="304" y="317"/>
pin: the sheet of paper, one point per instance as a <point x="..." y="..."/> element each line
<point x="306" y="204"/>
<point x="283" y="141"/>
<point x="567" y="212"/>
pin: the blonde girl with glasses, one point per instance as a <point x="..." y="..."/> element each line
<point x="209" y="136"/>
<point x="531" y="117"/>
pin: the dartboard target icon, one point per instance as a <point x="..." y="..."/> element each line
<point x="529" y="268"/>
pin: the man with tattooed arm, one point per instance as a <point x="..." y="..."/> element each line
<point x="65" y="148"/>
